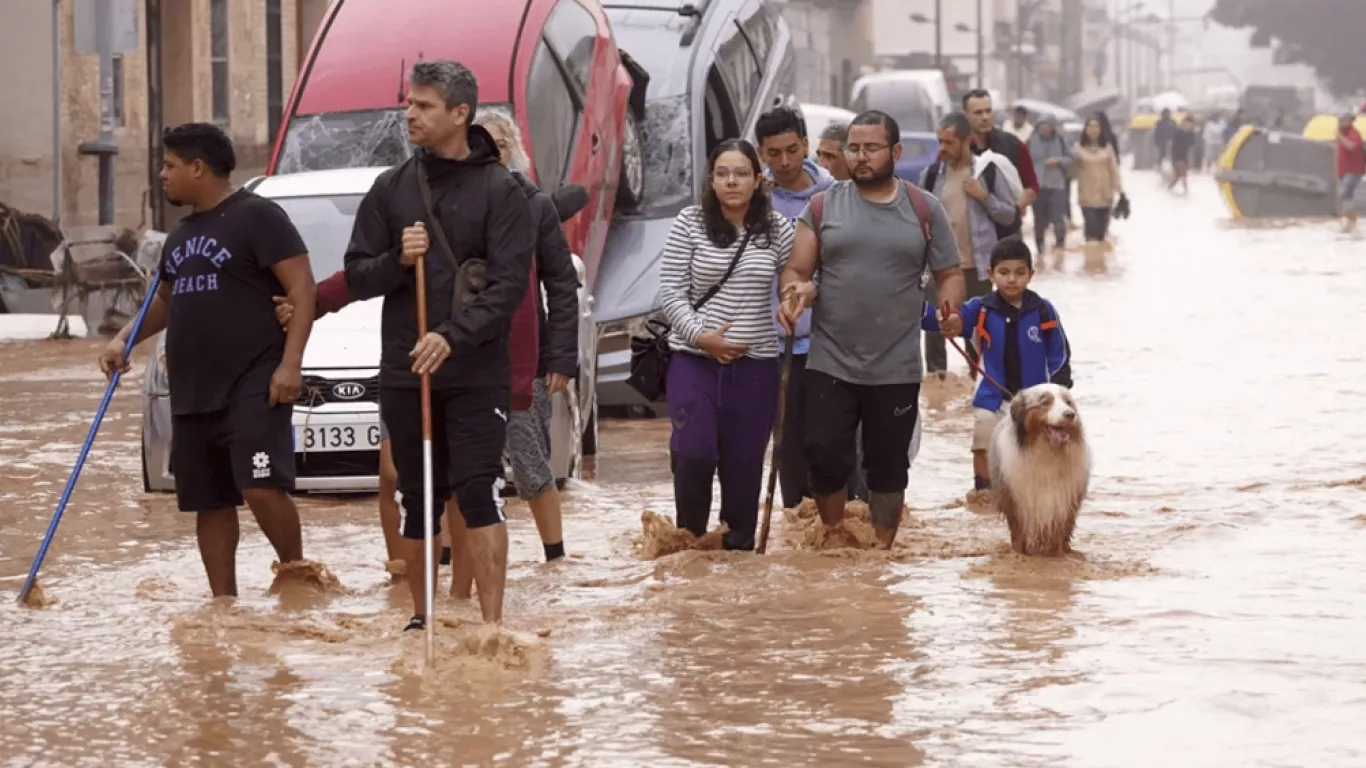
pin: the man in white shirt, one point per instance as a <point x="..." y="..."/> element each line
<point x="1018" y="125"/>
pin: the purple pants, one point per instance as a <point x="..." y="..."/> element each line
<point x="722" y="421"/>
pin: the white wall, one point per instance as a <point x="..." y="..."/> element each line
<point x="26" y="105"/>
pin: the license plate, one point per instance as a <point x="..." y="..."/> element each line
<point x="320" y="438"/>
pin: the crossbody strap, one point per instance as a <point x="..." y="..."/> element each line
<point x="715" y="289"/>
<point x="439" y="229"/>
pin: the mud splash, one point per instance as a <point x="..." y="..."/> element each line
<point x="660" y="537"/>
<point x="305" y="575"/>
<point x="37" y="598"/>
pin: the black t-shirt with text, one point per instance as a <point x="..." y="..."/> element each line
<point x="222" y="338"/>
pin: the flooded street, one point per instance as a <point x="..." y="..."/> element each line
<point x="1215" y="620"/>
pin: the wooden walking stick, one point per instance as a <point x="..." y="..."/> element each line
<point x="776" y="462"/>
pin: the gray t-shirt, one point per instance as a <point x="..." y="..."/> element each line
<point x="865" y="326"/>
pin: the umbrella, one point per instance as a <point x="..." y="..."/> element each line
<point x="1093" y="100"/>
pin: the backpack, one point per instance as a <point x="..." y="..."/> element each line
<point x="989" y="181"/>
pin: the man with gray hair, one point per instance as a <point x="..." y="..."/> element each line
<point x="454" y="189"/>
<point x="830" y="150"/>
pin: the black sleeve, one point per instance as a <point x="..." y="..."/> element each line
<point x="510" y="237"/>
<point x="274" y="237"/>
<point x="555" y="270"/>
<point x="372" y="258"/>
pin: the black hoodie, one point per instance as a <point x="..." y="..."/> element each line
<point x="559" y="334"/>
<point x="485" y="215"/>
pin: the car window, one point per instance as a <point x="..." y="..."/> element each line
<point x="553" y="117"/>
<point x="573" y="33"/>
<point x="907" y="102"/>
<point x="910" y="150"/>
<point x="324" y="222"/>
<point x="363" y="139"/>
<point x="722" y="119"/>
<point x="740" y="72"/>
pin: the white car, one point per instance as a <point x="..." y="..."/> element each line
<point x="818" y="117"/>
<point x="336" y="423"/>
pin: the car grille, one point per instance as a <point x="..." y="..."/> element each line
<point x="337" y="464"/>
<point x="318" y="390"/>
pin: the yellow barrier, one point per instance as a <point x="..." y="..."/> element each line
<point x="1325" y="127"/>
<point x="1226" y="161"/>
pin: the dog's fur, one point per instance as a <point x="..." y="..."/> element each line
<point x="1040" y="469"/>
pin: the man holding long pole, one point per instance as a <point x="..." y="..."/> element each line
<point x="458" y="212"/>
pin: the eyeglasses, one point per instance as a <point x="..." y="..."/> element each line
<point x="739" y="174"/>
<point x="867" y="150"/>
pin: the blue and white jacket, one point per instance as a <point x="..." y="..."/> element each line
<point x="1032" y="331"/>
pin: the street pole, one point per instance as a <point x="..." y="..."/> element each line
<point x="981" y="52"/>
<point x="57" y="112"/>
<point x="105" y="147"/>
<point x="1171" y="43"/>
<point x="938" y="34"/>
<point x="1018" y="46"/>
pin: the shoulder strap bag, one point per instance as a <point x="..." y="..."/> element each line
<point x="471" y="275"/>
<point x="650" y="354"/>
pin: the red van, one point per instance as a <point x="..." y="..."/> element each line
<point x="552" y="63"/>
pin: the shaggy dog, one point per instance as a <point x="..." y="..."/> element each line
<point x="1040" y="469"/>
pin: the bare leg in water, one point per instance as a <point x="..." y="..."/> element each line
<point x="218" y="532"/>
<point x="416" y="562"/>
<point x="462" y="566"/>
<point x="488" y="548"/>
<point x="832" y="507"/>
<point x="388" y="507"/>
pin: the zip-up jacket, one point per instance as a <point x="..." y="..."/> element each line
<point x="1020" y="347"/>
<point x="484" y="214"/>
<point x="558" y="315"/>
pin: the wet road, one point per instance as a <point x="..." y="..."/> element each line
<point x="1216" y="619"/>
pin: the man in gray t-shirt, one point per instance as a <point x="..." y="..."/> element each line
<point x="864" y="366"/>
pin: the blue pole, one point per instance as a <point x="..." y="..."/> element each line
<point x="89" y="440"/>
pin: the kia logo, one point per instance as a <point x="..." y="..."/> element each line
<point x="348" y="390"/>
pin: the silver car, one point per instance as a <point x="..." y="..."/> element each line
<point x="713" y="69"/>
<point x="336" y="423"/>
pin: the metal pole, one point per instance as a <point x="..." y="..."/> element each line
<point x="1018" y="67"/>
<point x="104" y="29"/>
<point x="938" y="33"/>
<point x="57" y="111"/>
<point x="1171" y="43"/>
<point x="105" y="147"/>
<point x="981" y="50"/>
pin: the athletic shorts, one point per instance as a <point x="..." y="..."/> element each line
<point x="833" y="412"/>
<point x="983" y="425"/>
<point x="469" y="430"/>
<point x="246" y="445"/>
<point x="528" y="445"/>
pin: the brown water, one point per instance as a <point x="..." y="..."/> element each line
<point x="1216" y="620"/>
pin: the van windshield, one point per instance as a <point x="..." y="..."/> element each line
<point x="905" y="100"/>
<point x="364" y="139"/>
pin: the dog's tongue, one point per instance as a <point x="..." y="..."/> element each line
<point x="1057" y="437"/>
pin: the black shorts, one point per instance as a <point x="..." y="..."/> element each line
<point x="469" y="429"/>
<point x="834" y="410"/>
<point x="246" y="445"/>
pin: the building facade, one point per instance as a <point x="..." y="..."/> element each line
<point x="232" y="62"/>
<point x="834" y="41"/>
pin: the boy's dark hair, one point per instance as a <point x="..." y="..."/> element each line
<point x="204" y="142"/>
<point x="778" y="121"/>
<point x="876" y="117"/>
<point x="1012" y="249"/>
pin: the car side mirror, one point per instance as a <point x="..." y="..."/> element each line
<point x="569" y="200"/>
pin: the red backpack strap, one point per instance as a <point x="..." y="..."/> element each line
<point x="922" y="211"/>
<point x="817" y="209"/>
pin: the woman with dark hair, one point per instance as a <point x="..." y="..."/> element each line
<point x="1098" y="182"/>
<point x="716" y="291"/>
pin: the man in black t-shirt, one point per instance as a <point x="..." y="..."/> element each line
<point x="234" y="373"/>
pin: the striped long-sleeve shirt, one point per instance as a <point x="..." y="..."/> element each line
<point x="692" y="264"/>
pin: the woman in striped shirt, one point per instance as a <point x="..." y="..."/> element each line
<point x="723" y="375"/>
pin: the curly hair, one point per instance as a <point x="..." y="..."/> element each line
<point x="757" y="217"/>
<point x="517" y="157"/>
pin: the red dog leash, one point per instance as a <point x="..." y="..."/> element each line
<point x="973" y="364"/>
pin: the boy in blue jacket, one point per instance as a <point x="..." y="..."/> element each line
<point x="1021" y="341"/>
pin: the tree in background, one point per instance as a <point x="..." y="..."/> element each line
<point x="1326" y="35"/>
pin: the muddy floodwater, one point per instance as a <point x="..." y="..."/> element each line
<point x="1216" y="619"/>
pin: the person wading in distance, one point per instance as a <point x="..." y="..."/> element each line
<point x="716" y="290"/>
<point x="980" y="111"/>
<point x="478" y="218"/>
<point x="234" y="372"/>
<point x="869" y="239"/>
